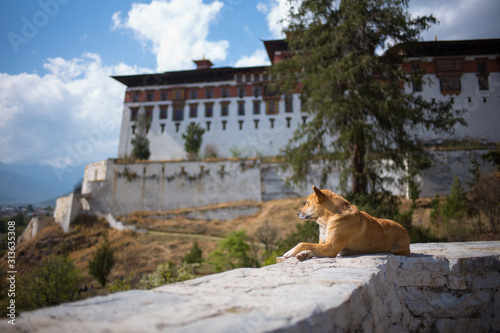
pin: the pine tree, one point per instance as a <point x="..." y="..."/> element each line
<point x="140" y="142"/>
<point x="360" y="120"/>
<point x="102" y="262"/>
<point x="194" y="256"/>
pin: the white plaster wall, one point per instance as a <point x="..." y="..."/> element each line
<point x="95" y="171"/>
<point x="67" y="208"/>
<point x="159" y="186"/>
<point x="483" y="109"/>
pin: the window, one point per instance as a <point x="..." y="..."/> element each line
<point x="482" y="80"/>
<point x="224" y="122"/>
<point x="256" y="77"/>
<point x="241" y="108"/>
<point x="163" y="111"/>
<point x="133" y="129"/>
<point x="303" y="103"/>
<point x="272" y="107"/>
<point x="304" y="120"/>
<point x="162" y="128"/>
<point x="149" y="112"/>
<point x="256" y="107"/>
<point x="164" y="95"/>
<point x="209" y="110"/>
<point x="193" y="110"/>
<point x="224" y="109"/>
<point x="193" y="93"/>
<point x="256" y="121"/>
<point x="416" y="86"/>
<point x="135" y="96"/>
<point x="208" y="125"/>
<point x="271" y="120"/>
<point x="256" y="91"/>
<point x="288" y="103"/>
<point x="241" y="91"/>
<point x="248" y="78"/>
<point x="239" y="78"/>
<point x="449" y="72"/>
<point x="178" y="114"/>
<point x="134" y="112"/>
<point x="450" y="84"/>
<point x="224" y="92"/>
<point x="269" y="92"/>
<point x="149" y="95"/>
<point x="241" y="124"/>
<point x="209" y="92"/>
<point x="482" y="74"/>
<point x="177" y="125"/>
<point x="288" y="121"/>
<point x="178" y="94"/>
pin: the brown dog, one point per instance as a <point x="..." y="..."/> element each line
<point x="346" y="230"/>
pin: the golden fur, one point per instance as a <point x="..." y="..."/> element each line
<point x="346" y="230"/>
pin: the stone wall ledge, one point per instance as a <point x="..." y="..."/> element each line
<point x="441" y="287"/>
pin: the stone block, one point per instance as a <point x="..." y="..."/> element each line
<point x="351" y="293"/>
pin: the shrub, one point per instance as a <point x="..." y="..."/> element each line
<point x="120" y="284"/>
<point x="102" y="262"/>
<point x="167" y="273"/>
<point x="194" y="256"/>
<point x="455" y="205"/>
<point x="54" y="281"/>
<point x="234" y="252"/>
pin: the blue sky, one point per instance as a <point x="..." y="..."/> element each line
<point x="58" y="105"/>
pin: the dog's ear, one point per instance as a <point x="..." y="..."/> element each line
<point x="319" y="195"/>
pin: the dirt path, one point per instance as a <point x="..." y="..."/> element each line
<point x="192" y="236"/>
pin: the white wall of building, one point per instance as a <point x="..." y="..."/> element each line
<point x="266" y="140"/>
<point x="482" y="106"/>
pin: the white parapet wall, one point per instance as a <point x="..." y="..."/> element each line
<point x="440" y="287"/>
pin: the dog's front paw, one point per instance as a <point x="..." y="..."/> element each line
<point x="306" y="254"/>
<point x="292" y="253"/>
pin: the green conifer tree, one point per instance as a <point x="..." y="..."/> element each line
<point x="360" y="120"/>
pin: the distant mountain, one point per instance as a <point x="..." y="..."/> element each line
<point x="34" y="184"/>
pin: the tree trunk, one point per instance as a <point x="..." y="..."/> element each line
<point x="359" y="181"/>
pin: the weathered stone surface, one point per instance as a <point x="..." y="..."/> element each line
<point x="34" y="226"/>
<point x="440" y="287"/>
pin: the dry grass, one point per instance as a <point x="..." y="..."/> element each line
<point x="170" y="238"/>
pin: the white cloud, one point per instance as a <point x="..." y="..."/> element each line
<point x="258" y="58"/>
<point x="460" y="19"/>
<point x="70" y="115"/>
<point x="276" y="12"/>
<point x="175" y="30"/>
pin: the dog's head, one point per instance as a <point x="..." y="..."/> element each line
<point x="320" y="201"/>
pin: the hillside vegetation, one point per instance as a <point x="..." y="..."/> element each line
<point x="155" y="255"/>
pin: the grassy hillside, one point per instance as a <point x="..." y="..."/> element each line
<point x="169" y="236"/>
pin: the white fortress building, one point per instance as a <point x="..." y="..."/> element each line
<point x="242" y="115"/>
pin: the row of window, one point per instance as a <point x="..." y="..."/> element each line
<point x="249" y="77"/>
<point x="271" y="108"/>
<point x="451" y="84"/>
<point x="181" y="94"/>
<point x="449" y="72"/>
<point x="208" y="124"/>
